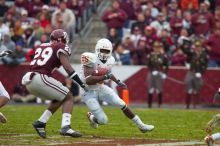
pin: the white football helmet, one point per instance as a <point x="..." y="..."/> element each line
<point x="103" y="44"/>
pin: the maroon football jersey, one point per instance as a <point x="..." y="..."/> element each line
<point x="46" y="57"/>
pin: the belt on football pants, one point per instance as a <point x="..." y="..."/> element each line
<point x="32" y="75"/>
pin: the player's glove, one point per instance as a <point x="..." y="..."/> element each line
<point x="85" y="87"/>
<point x="216" y="96"/>
<point x="108" y="75"/>
<point x="121" y="84"/>
<point x="163" y="75"/>
<point x="5" y="52"/>
<point x="198" y="75"/>
<point x="154" y="73"/>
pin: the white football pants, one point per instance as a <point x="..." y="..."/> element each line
<point x="3" y="92"/>
<point x="103" y="93"/>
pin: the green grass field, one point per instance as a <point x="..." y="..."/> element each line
<point x="170" y="124"/>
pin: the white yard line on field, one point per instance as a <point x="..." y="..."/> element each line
<point x="188" y="143"/>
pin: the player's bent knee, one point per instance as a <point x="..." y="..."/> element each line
<point x="3" y="100"/>
<point x="68" y="96"/>
<point x="103" y="120"/>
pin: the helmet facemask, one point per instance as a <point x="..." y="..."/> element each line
<point x="103" y="49"/>
<point x="104" y="54"/>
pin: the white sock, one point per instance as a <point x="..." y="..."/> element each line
<point x="216" y="136"/>
<point x="137" y="121"/>
<point x="45" y="116"/>
<point x="66" y="119"/>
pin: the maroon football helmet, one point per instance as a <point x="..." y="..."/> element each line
<point x="59" y="35"/>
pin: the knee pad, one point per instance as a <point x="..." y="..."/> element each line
<point x="190" y="91"/>
<point x="151" y="90"/>
<point x="101" y="116"/>
<point x="158" y="91"/>
<point x="96" y="109"/>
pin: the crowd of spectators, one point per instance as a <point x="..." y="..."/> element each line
<point x="134" y="25"/>
<point x="24" y="24"/>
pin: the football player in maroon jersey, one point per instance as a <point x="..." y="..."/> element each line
<point x="39" y="82"/>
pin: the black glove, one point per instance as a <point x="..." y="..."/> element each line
<point x="121" y="84"/>
<point x="5" y="52"/>
<point x="216" y="96"/>
<point x="108" y="75"/>
<point x="85" y="87"/>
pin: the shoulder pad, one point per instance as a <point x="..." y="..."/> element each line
<point x="60" y="47"/>
<point x="111" y="60"/>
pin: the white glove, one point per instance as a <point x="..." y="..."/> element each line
<point x="198" y="75"/>
<point x="5" y="52"/>
<point x="121" y="84"/>
<point x="154" y="73"/>
<point x="163" y="75"/>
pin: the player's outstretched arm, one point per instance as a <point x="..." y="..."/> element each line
<point x="118" y="82"/>
<point x="5" y="52"/>
<point x="64" y="59"/>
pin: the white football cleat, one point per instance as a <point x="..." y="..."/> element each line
<point x="209" y="140"/>
<point x="3" y="119"/>
<point x="92" y="123"/>
<point x="146" y="128"/>
<point x="213" y="123"/>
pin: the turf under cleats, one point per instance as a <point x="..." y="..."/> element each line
<point x="67" y="131"/>
<point x="209" y="140"/>
<point x="3" y="119"/>
<point x="40" y="128"/>
<point x="213" y="123"/>
<point x="92" y="123"/>
<point x="146" y="128"/>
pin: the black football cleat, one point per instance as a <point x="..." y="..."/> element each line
<point x="40" y="128"/>
<point x="67" y="131"/>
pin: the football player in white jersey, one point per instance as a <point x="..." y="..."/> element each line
<point x="4" y="96"/>
<point x="91" y="62"/>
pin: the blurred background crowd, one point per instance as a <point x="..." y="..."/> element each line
<point x="24" y="24"/>
<point x="133" y="26"/>
<point x="179" y="25"/>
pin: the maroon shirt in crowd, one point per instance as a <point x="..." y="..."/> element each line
<point x="161" y="4"/>
<point x="149" y="42"/>
<point x="53" y="6"/>
<point x="46" y="57"/>
<point x="217" y="3"/>
<point x="203" y="23"/>
<point x="23" y="4"/>
<point x="34" y="8"/>
<point x="178" y="59"/>
<point x="76" y="8"/>
<point x="127" y="6"/>
<point x="117" y="21"/>
<point x="176" y="25"/>
<point x="214" y="43"/>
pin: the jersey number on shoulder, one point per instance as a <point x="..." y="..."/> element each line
<point x="84" y="60"/>
<point x="42" y="56"/>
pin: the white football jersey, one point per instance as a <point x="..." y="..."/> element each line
<point x="91" y="60"/>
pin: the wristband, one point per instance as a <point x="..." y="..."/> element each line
<point x="76" y="78"/>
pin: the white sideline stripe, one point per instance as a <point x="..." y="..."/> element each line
<point x="188" y="143"/>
